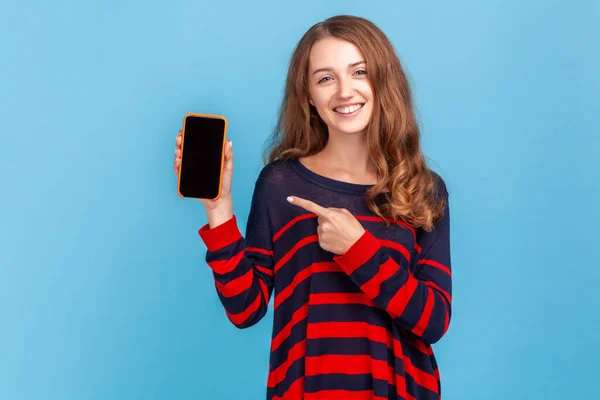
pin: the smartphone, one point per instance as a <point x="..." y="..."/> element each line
<point x="203" y="142"/>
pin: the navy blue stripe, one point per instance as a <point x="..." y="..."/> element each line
<point x="355" y="383"/>
<point x="237" y="304"/>
<point x="280" y="354"/>
<point x="349" y="313"/>
<point x="227" y="251"/>
<point x="302" y="228"/>
<point x="286" y="310"/>
<point x="418" y="359"/>
<point x="301" y="259"/>
<point x="295" y="371"/>
<point x="418" y="391"/>
<point x="349" y="346"/>
<point x="333" y="282"/>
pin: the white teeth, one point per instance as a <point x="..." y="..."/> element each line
<point x="348" y="110"/>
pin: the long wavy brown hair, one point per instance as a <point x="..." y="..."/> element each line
<point x="407" y="189"/>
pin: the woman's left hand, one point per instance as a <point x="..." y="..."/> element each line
<point x="338" y="229"/>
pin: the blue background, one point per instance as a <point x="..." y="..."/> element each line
<point x="104" y="293"/>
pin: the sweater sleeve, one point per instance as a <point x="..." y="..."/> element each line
<point x="243" y="267"/>
<point x="419" y="303"/>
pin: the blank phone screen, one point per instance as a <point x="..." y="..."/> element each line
<point x="201" y="157"/>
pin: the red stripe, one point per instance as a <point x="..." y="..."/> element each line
<point x="421" y="377"/>
<point x="297" y="246"/>
<point x="370" y="218"/>
<point x="436" y="264"/>
<point x="404" y="224"/>
<point x="410" y="228"/>
<point x="342" y="394"/>
<point x="220" y="236"/>
<point x="240" y="318"/>
<point x="395" y="221"/>
<point x="321" y="330"/>
<point x="436" y="287"/>
<point x="359" y="253"/>
<point x="237" y="285"/>
<point x="340" y="298"/>
<point x="303" y="275"/>
<point x="395" y="246"/>
<point x="295" y="391"/>
<point x="259" y="250"/>
<point x="278" y="374"/>
<point x="353" y="365"/>
<point x="398" y="303"/>
<point x="298" y="316"/>
<point x="350" y="365"/>
<point x="358" y="217"/>
<point x="396" y="347"/>
<point x="264" y="270"/>
<point x="291" y="223"/>
<point x="424" y="320"/>
<point x="373" y="286"/>
<point x="264" y="290"/>
<point x="326" y="267"/>
<point x="223" y="266"/>
<point x="444" y="301"/>
<point x="419" y="345"/>
<point x="374" y="333"/>
<point x="287" y="292"/>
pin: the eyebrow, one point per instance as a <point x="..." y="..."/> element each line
<point x="329" y="69"/>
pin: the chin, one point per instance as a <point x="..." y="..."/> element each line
<point x="354" y="129"/>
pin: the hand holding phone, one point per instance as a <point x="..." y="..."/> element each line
<point x="204" y="164"/>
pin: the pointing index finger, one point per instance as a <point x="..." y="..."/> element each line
<point x="308" y="205"/>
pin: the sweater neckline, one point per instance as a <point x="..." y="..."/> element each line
<point x="329" y="183"/>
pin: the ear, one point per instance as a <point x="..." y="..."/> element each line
<point x="310" y="101"/>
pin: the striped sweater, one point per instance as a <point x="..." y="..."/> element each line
<point x="355" y="326"/>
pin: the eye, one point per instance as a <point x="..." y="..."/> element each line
<point x="361" y="72"/>
<point x="323" y="79"/>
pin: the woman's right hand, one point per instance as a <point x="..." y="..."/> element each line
<point x="221" y="209"/>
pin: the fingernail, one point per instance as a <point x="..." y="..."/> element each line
<point x="230" y="144"/>
<point x="290" y="199"/>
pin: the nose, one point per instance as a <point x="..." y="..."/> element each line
<point x="345" y="89"/>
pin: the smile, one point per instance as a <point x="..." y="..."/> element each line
<point x="348" y="110"/>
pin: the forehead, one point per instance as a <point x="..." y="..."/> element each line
<point x="333" y="52"/>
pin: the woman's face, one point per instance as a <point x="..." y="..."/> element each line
<point x="339" y="86"/>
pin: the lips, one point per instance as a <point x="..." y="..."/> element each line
<point x="345" y="110"/>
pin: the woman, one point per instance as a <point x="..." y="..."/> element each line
<point x="347" y="225"/>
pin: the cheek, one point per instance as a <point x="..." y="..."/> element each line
<point x="367" y="91"/>
<point x="321" y="99"/>
<point x="322" y="107"/>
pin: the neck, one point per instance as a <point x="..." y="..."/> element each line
<point x="348" y="152"/>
